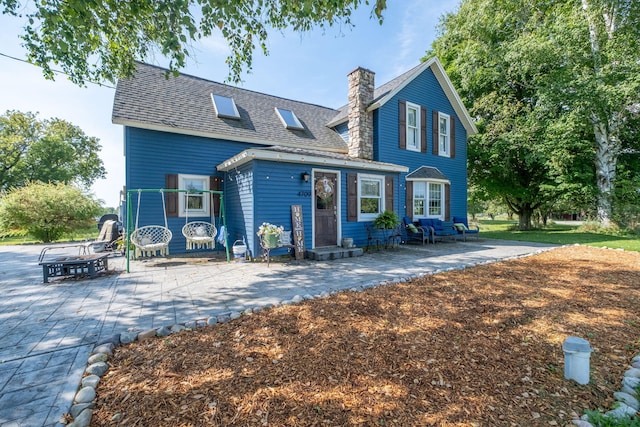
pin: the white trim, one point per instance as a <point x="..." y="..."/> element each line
<point x="418" y="140"/>
<point x="447" y="152"/>
<point x="338" y="205"/>
<point x="371" y="177"/>
<point x="426" y="200"/>
<point x="191" y="132"/>
<point x="446" y="85"/>
<point x="182" y="212"/>
<point x="261" y="154"/>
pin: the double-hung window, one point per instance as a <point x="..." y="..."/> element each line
<point x="428" y="199"/>
<point x="370" y="196"/>
<point x="444" y="136"/>
<point x="194" y="202"/>
<point x="413" y="127"/>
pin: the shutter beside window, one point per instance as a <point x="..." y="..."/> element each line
<point x="452" y="138"/>
<point x="409" y="199"/>
<point x="436" y="134"/>
<point x="447" y="203"/>
<point x="352" y="197"/>
<point x="402" y="121"/>
<point x="423" y="130"/>
<point x="388" y="193"/>
<point x="171" y="199"/>
<point x="215" y="183"/>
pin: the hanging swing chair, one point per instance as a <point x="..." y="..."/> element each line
<point x="199" y="234"/>
<point x="151" y="240"/>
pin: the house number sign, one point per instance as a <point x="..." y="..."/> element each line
<point x="298" y="230"/>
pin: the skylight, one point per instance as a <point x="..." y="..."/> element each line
<point x="225" y="107"/>
<point x="289" y="119"/>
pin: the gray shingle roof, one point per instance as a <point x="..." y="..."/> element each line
<point x="378" y="93"/>
<point x="183" y="104"/>
<point x="427" y="172"/>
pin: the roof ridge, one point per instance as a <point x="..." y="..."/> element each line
<point x="238" y="88"/>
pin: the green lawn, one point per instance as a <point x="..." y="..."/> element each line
<point x="89" y="233"/>
<point x="559" y="234"/>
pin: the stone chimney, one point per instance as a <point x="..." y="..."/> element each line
<point x="361" y="86"/>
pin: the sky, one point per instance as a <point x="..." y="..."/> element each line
<point x="310" y="67"/>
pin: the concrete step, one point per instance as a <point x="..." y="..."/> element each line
<point x="334" y="252"/>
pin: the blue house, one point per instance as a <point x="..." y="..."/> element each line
<point x="401" y="146"/>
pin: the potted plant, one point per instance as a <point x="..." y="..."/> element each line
<point x="387" y="220"/>
<point x="270" y="234"/>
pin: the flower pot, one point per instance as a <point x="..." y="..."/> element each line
<point x="271" y="240"/>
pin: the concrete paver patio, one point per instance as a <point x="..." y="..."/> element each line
<point x="48" y="330"/>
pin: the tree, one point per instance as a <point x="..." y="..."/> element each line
<point x="46" y="211"/>
<point x="101" y="40"/>
<point x="567" y="70"/>
<point x="47" y="151"/>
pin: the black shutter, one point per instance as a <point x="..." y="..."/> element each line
<point x="171" y="199"/>
<point x="452" y="138"/>
<point x="352" y="197"/>
<point x="388" y="193"/>
<point x="215" y="183"/>
<point x="423" y="130"/>
<point x="447" y="202"/>
<point x="409" y="200"/>
<point x="402" y="125"/>
<point x="435" y="133"/>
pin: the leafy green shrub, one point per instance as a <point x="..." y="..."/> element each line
<point x="46" y="211"/>
<point x="386" y="220"/>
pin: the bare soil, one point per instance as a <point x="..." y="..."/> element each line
<point x="478" y="347"/>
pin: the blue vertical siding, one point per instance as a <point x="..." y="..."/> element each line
<point x="426" y="91"/>
<point x="343" y="130"/>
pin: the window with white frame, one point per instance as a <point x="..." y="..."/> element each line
<point x="428" y="199"/>
<point x="370" y="196"/>
<point x="444" y="137"/>
<point x="413" y="127"/>
<point x="194" y="202"/>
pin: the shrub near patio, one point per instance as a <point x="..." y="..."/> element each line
<point x="481" y="346"/>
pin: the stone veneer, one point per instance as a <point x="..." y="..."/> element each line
<point x="361" y="87"/>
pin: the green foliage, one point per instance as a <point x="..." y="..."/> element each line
<point x="552" y="104"/>
<point x="386" y="220"/>
<point x="102" y="40"/>
<point x="600" y="420"/>
<point x="46" y="150"/>
<point x="45" y="211"/>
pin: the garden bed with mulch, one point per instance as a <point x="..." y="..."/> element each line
<point x="476" y="347"/>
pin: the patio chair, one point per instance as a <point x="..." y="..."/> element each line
<point x="414" y="232"/>
<point x="461" y="224"/>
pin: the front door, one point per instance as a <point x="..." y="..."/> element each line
<point x="325" y="208"/>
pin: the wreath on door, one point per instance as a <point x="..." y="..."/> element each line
<point x="324" y="187"/>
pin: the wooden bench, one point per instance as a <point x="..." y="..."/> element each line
<point x="74" y="265"/>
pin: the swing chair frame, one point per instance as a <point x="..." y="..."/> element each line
<point x="163" y="191"/>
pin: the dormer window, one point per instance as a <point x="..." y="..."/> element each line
<point x="289" y="119"/>
<point x="225" y="107"/>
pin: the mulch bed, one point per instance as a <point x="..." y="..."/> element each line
<point x="477" y="347"/>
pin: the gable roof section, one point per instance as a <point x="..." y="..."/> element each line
<point x="183" y="105"/>
<point x="427" y="172"/>
<point x="388" y="90"/>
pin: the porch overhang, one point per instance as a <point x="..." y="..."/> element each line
<point x="306" y="158"/>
